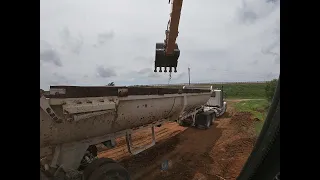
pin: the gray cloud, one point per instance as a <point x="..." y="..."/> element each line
<point x="247" y="15"/>
<point x="277" y="60"/>
<point x="148" y="72"/>
<point x="275" y="43"/>
<point x="74" y="44"/>
<point x="273" y="48"/>
<point x="105" y="72"/>
<point x="251" y="11"/>
<point x="206" y="55"/>
<point x="58" y="79"/>
<point x="153" y="75"/>
<point x="254" y="62"/>
<point x="144" y="71"/>
<point x="180" y="76"/>
<point x="103" y="38"/>
<point x="143" y="59"/>
<point x="65" y="33"/>
<point x="48" y="54"/>
<point x="272" y="1"/>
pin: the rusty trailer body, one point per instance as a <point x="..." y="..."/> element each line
<point x="72" y="117"/>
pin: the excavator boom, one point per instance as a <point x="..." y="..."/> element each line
<point x="167" y="53"/>
<point x="173" y="27"/>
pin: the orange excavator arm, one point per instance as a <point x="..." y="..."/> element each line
<point x="173" y="25"/>
<point x="167" y="53"/>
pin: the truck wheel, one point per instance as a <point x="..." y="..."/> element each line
<point x="94" y="165"/>
<point x="207" y="124"/>
<point x="180" y="122"/>
<point x="43" y="176"/>
<point x="204" y="125"/>
<point x="94" y="150"/>
<point x="213" y="115"/>
<point x="110" y="171"/>
<point x="203" y="120"/>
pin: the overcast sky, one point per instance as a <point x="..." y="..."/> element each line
<point x="94" y="42"/>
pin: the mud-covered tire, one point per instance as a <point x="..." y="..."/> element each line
<point x="43" y="176"/>
<point x="180" y="122"/>
<point x="207" y="124"/>
<point x="213" y="117"/>
<point x="203" y="121"/>
<point x="94" y="165"/>
<point x="109" y="171"/>
<point x="94" y="150"/>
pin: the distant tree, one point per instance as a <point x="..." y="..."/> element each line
<point x="111" y="84"/>
<point x="270" y="89"/>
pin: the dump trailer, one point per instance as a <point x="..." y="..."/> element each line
<point x="74" y="119"/>
<point x="204" y="116"/>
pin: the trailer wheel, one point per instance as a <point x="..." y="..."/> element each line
<point x="203" y="120"/>
<point x="180" y="122"/>
<point x="94" y="165"/>
<point x="94" y="150"/>
<point x="207" y="124"/>
<point x="213" y="117"/>
<point x="43" y="176"/>
<point x="110" y="171"/>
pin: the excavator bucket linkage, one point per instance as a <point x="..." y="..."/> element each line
<point x="166" y="61"/>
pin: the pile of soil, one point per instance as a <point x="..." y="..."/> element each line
<point x="234" y="147"/>
<point x="243" y="123"/>
<point x="242" y="119"/>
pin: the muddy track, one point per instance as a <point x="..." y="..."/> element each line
<point x="216" y="153"/>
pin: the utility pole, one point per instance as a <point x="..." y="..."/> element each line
<point x="189" y="74"/>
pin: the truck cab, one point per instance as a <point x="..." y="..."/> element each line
<point x="216" y="102"/>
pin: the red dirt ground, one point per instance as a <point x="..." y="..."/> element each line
<point x="194" y="154"/>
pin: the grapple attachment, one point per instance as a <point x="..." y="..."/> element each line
<point x="166" y="62"/>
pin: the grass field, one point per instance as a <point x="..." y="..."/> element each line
<point x="244" y="91"/>
<point x="258" y="108"/>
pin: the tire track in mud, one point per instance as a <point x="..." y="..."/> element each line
<point x="186" y="152"/>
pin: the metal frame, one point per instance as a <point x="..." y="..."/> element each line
<point x="191" y="114"/>
<point x="69" y="155"/>
<point x="135" y="151"/>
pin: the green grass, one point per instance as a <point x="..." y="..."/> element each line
<point x="245" y="91"/>
<point x="258" y="108"/>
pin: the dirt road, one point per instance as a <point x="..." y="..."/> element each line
<point x="193" y="154"/>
